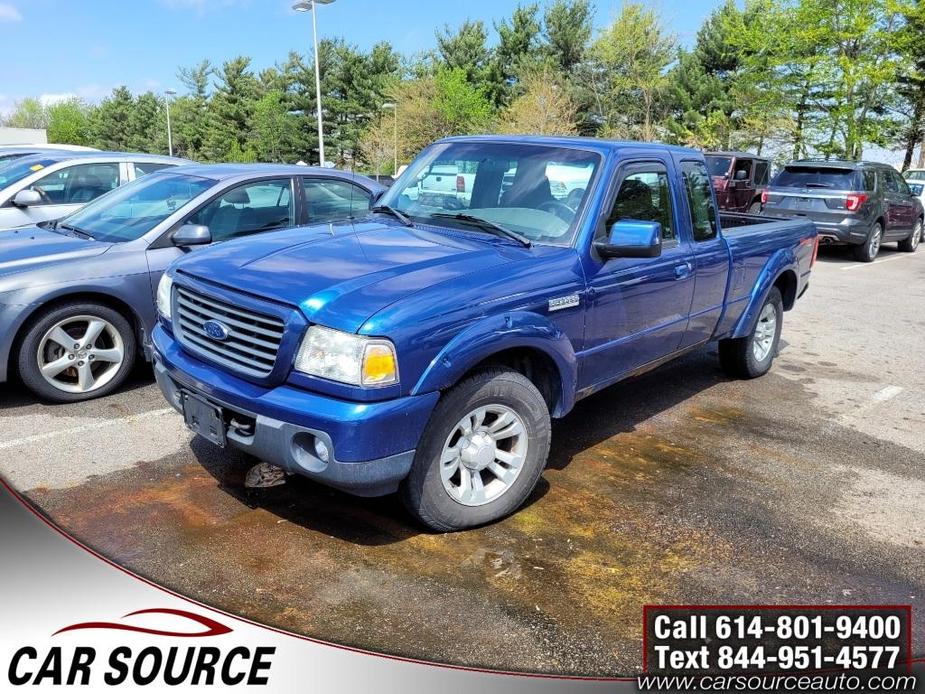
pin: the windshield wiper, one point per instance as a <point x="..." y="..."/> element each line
<point x="487" y="225"/>
<point x="79" y="232"/>
<point x="400" y="216"/>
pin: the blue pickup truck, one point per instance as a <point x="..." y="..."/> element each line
<point x="424" y="348"/>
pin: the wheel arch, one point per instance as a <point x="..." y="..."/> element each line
<point x="525" y="342"/>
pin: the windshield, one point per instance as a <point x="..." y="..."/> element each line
<point x="17" y="169"/>
<point x="915" y="175"/>
<point x="537" y="191"/>
<point x="817" y="177"/>
<point x="130" y="212"/>
<point x="718" y="166"/>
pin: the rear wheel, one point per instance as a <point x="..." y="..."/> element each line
<point x="481" y="454"/>
<point x="755" y="207"/>
<point x="908" y="245"/>
<point x="752" y="356"/>
<point x="868" y="250"/>
<point x="76" y="352"/>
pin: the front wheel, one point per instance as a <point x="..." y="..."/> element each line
<point x="752" y="356"/>
<point x="908" y="245"/>
<point x="76" y="352"/>
<point x="481" y="454"/>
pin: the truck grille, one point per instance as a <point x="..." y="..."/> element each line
<point x="253" y="339"/>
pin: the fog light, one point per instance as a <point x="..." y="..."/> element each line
<point x="321" y="450"/>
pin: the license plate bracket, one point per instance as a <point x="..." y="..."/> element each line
<point x="203" y="418"/>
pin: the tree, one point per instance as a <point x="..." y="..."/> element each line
<point x="271" y="128"/>
<point x="544" y="108"/>
<point x="68" y="122"/>
<point x="515" y="54"/>
<point x="911" y="81"/>
<point x="109" y="121"/>
<point x="189" y="114"/>
<point x="28" y="113"/>
<point x="567" y="27"/>
<point x="633" y="55"/>
<point x="232" y="105"/>
<point x="147" y="125"/>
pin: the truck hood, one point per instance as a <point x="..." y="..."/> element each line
<point x="341" y="275"/>
<point x="28" y="248"/>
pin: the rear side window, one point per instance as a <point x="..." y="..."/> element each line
<point x="762" y="171"/>
<point x="870" y="181"/>
<point x="887" y="182"/>
<point x="817" y="177"/>
<point x="700" y="200"/>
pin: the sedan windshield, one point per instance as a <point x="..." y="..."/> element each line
<point x="12" y="171"/>
<point x="536" y="191"/>
<point x="130" y="212"/>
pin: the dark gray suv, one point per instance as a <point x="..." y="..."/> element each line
<point x="862" y="204"/>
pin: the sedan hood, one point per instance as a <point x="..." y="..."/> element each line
<point x="27" y="248"/>
<point x="341" y="275"/>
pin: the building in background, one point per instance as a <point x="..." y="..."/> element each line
<point x="23" y="136"/>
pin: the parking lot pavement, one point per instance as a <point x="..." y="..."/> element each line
<point x="805" y="486"/>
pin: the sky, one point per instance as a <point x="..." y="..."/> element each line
<point x="54" y="49"/>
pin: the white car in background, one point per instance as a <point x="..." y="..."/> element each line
<point x="53" y="184"/>
<point x="916" y="180"/>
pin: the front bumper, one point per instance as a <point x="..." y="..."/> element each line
<point x="371" y="445"/>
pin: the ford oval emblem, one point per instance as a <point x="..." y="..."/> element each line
<point x="216" y="330"/>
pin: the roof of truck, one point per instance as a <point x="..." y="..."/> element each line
<point x="571" y="141"/>
<point x="732" y="153"/>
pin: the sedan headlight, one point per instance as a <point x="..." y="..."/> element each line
<point x="347" y="358"/>
<point x="163" y="295"/>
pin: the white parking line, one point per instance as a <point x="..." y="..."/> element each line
<point x="26" y="440"/>
<point x="887" y="393"/>
<point x="858" y="266"/>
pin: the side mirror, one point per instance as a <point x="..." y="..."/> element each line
<point x="632" y="238"/>
<point x="192" y="235"/>
<point x="27" y="198"/>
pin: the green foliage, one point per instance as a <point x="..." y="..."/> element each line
<point x="68" y="122"/>
<point x="28" y="113"/>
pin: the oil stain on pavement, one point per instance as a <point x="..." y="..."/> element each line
<point x="676" y="487"/>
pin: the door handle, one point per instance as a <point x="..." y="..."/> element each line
<point x="682" y="271"/>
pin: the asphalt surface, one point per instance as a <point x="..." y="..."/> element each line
<point x="681" y="486"/>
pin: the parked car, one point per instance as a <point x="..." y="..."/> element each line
<point x="8" y="153"/>
<point x="382" y="179"/>
<point x="426" y="348"/>
<point x="738" y="179"/>
<point x="915" y="178"/>
<point x="861" y="204"/>
<point x="53" y="184"/>
<point x="77" y="295"/>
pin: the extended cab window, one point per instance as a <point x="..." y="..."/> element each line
<point x="248" y="209"/>
<point x="644" y="195"/>
<point x="700" y="200"/>
<point x="77" y="184"/>
<point x="329" y="200"/>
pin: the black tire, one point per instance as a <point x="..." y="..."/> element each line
<point x="423" y="491"/>
<point x="908" y="245"/>
<point x="737" y="356"/>
<point x="27" y="354"/>
<point x="867" y="251"/>
<point x="755" y="207"/>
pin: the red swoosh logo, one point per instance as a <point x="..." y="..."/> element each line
<point x="213" y="628"/>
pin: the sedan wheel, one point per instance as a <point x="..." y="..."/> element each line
<point x="76" y="352"/>
<point x="80" y="354"/>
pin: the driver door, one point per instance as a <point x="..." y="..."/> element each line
<point x="640" y="306"/>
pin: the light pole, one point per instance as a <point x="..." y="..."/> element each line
<point x="167" y="94"/>
<point x="305" y="6"/>
<point x="394" y="108"/>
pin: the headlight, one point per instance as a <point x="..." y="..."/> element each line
<point x="348" y="358"/>
<point x="163" y="295"/>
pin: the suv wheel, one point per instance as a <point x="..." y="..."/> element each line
<point x="76" y="352"/>
<point x="481" y="454"/>
<point x="752" y="356"/>
<point x="868" y="250"/>
<point x="909" y="245"/>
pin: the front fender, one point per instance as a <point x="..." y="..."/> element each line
<point x="497" y="334"/>
<point x="779" y="263"/>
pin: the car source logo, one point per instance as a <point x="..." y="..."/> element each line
<point x="215" y="330"/>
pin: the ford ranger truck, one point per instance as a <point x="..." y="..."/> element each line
<point x="424" y="349"/>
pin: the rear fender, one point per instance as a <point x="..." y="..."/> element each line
<point x="497" y="334"/>
<point x="777" y="264"/>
